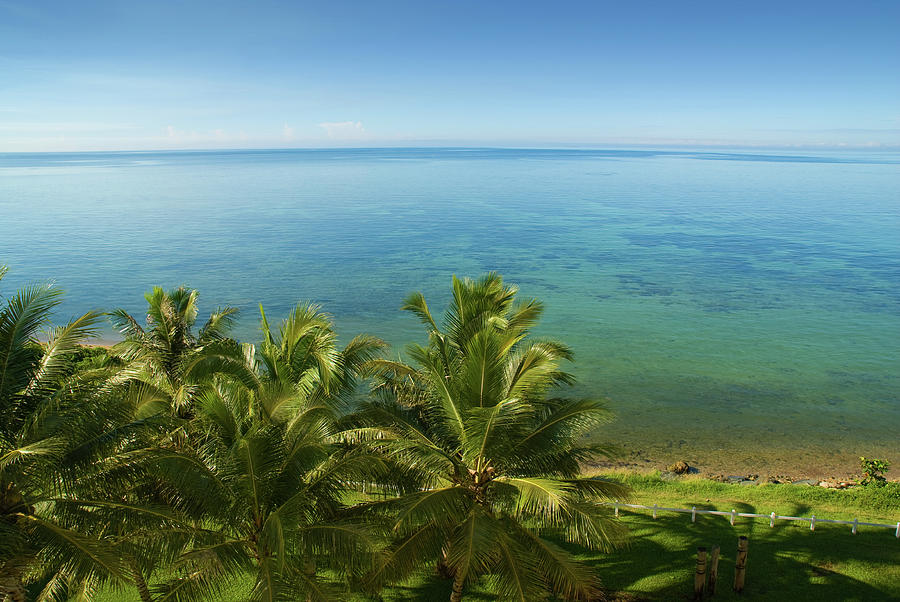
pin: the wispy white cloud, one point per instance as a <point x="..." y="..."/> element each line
<point x="287" y="133"/>
<point x="343" y="130"/>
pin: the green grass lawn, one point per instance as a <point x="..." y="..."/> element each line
<point x="789" y="562"/>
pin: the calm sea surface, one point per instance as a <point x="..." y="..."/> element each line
<point x="732" y="304"/>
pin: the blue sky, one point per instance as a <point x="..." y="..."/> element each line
<point x="145" y="75"/>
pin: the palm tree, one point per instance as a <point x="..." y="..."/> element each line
<point x="497" y="460"/>
<point x="301" y="361"/>
<point x="47" y="438"/>
<point x="272" y="469"/>
<point x="168" y="358"/>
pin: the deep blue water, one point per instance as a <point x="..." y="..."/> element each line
<point x="726" y="300"/>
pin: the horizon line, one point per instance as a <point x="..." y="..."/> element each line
<point x="552" y="146"/>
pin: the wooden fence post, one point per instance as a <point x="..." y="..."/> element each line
<point x="772" y="520"/>
<point x="713" y="570"/>
<point x="812" y="523"/>
<point x="733" y="514"/>
<point x="654" y="510"/>
<point x="693" y="514"/>
<point x="700" y="573"/>
<point x="855" y="525"/>
<point x="740" y="565"/>
<point x="617" y="508"/>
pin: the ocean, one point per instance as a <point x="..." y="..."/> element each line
<point x="737" y="308"/>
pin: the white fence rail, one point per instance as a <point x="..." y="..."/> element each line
<point x="812" y="520"/>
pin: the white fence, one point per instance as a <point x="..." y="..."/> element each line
<point x="812" y="520"/>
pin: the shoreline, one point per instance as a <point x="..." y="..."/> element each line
<point x="721" y="469"/>
<point x="793" y="454"/>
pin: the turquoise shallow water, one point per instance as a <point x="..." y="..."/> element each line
<point x="742" y="303"/>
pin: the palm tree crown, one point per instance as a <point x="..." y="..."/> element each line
<point x="497" y="460"/>
<point x="170" y="360"/>
<point x="271" y="468"/>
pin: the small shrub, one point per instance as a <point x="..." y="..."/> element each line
<point x="883" y="500"/>
<point x="873" y="470"/>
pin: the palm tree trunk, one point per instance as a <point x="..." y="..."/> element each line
<point x="141" y="583"/>
<point x="443" y="569"/>
<point x="458" y="581"/>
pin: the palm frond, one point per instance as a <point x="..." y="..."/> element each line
<point x="516" y="575"/>
<point x="589" y="524"/>
<point x="407" y="555"/>
<point x="20" y="319"/>
<point x="538" y="497"/>
<point x="222" y="357"/>
<point x="83" y="556"/>
<point x="480" y="376"/>
<point x="524" y="315"/>
<point x="489" y="430"/>
<point x="473" y="549"/>
<point x="219" y="324"/>
<point x="405" y="423"/>
<point x="348" y="546"/>
<point x="205" y="572"/>
<point x="598" y="488"/>
<point x="416" y="304"/>
<point x="440" y="506"/>
<point x="43" y="448"/>
<point x="534" y="369"/>
<point x="563" y="422"/>
<point x="567" y="577"/>
<point x="56" y="360"/>
<point x="127" y="326"/>
<point x="301" y="585"/>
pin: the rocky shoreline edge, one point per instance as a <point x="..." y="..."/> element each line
<point x="681" y="469"/>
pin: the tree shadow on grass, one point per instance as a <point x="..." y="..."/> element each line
<point x="784" y="563"/>
<point x="787" y="562"/>
<point x="432" y="588"/>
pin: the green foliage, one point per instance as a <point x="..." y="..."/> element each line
<point x="183" y="465"/>
<point x="168" y="362"/>
<point x="491" y="462"/>
<point x="267" y="467"/>
<point x="873" y="470"/>
<point x="55" y="428"/>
